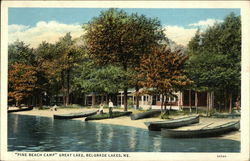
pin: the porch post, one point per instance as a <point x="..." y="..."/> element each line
<point x="133" y="100"/>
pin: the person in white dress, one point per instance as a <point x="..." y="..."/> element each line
<point x="101" y="108"/>
<point x="54" y="108"/>
<point x="111" y="105"/>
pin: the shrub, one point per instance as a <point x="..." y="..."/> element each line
<point x="164" y="115"/>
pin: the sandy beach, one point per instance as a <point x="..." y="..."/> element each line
<point x="126" y="121"/>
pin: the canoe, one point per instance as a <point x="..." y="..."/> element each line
<point x="75" y="115"/>
<point x="184" y="121"/>
<point x="106" y="115"/>
<point x="229" y="115"/>
<point x="144" y="114"/>
<point x="21" y="109"/>
<point x="203" y="132"/>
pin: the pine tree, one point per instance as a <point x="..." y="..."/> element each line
<point x="215" y="63"/>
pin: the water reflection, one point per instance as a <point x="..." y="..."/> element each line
<point x="132" y="140"/>
<point x="157" y="144"/>
<point x="109" y="137"/>
<point x="15" y="124"/>
<point x="29" y="133"/>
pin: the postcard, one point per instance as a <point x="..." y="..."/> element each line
<point x="125" y="80"/>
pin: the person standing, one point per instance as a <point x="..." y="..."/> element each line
<point x="101" y="108"/>
<point x="111" y="105"/>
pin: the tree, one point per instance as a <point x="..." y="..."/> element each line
<point x="52" y="64"/>
<point x="47" y="71"/>
<point x="21" y="56"/>
<point x="100" y="79"/>
<point x="162" y="72"/>
<point x="120" y="39"/>
<point x="134" y="82"/>
<point x="67" y="55"/>
<point x="22" y="79"/>
<point x="19" y="52"/>
<point x="214" y="60"/>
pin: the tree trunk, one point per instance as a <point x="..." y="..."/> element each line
<point x="207" y="102"/>
<point x="137" y="96"/>
<point x="102" y="99"/>
<point x="63" y="88"/>
<point x="56" y="99"/>
<point x="225" y="102"/>
<point x="212" y="100"/>
<point x="36" y="101"/>
<point x="219" y="106"/>
<point x="107" y="99"/>
<point x="41" y="100"/>
<point x="237" y="103"/>
<point x="230" y="102"/>
<point x="93" y="100"/>
<point x="165" y="103"/>
<point x="74" y="99"/>
<point x="209" y="99"/>
<point x="17" y="104"/>
<point x="181" y="100"/>
<point x="190" y="101"/>
<point x="125" y="99"/>
<point x="125" y="90"/>
<point x="67" y="88"/>
<point x="28" y="101"/>
<point x="162" y="102"/>
<point x="83" y="101"/>
<point x="33" y="100"/>
<point x="196" y="101"/>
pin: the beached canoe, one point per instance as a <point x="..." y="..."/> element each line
<point x="203" y="132"/>
<point x="21" y="109"/>
<point x="75" y="115"/>
<point x="107" y="116"/>
<point x="171" y="124"/>
<point x="226" y="115"/>
<point x="145" y="114"/>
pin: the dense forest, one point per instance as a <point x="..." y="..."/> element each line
<point x="118" y="51"/>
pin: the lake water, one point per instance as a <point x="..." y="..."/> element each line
<point x="39" y="134"/>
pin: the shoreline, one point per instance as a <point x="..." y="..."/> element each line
<point x="126" y="121"/>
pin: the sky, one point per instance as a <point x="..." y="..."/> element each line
<point x="34" y="25"/>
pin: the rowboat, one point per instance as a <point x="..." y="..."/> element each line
<point x="202" y="132"/>
<point x="75" y="115"/>
<point x="21" y="109"/>
<point x="184" y="121"/>
<point x="144" y="114"/>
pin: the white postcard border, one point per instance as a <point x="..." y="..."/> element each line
<point x="243" y="5"/>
